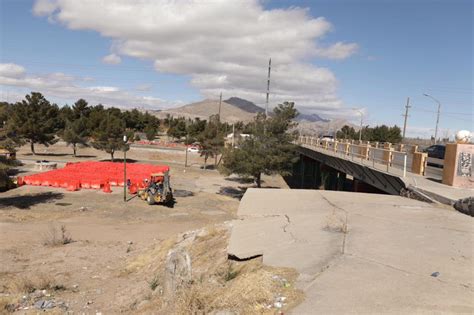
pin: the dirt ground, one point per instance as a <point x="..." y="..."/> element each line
<point x="107" y="234"/>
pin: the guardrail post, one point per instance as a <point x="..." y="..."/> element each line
<point x="373" y="158"/>
<point x="404" y="165"/>
<point x="346" y="148"/>
<point x="335" y="147"/>
<point x="418" y="163"/>
<point x="325" y="144"/>
<point x="364" y="151"/>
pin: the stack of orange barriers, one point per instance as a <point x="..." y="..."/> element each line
<point x="94" y="175"/>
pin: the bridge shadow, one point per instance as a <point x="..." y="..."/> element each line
<point x="27" y="201"/>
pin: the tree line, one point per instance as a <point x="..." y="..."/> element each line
<point x="268" y="149"/>
<point x="35" y="120"/>
<point x="381" y="133"/>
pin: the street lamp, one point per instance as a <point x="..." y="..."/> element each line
<point x="124" y="168"/>
<point x="437" y="116"/>
<point x="361" y="117"/>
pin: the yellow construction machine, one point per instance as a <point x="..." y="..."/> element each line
<point x="157" y="189"/>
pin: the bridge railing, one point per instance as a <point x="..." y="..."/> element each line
<point x="370" y="154"/>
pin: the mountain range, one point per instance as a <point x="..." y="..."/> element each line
<point x="237" y="109"/>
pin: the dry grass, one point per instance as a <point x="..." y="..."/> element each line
<point x="7" y="303"/>
<point x="14" y="287"/>
<point x="56" y="237"/>
<point x="251" y="292"/>
<point x="336" y="222"/>
<point x="219" y="284"/>
<point x="150" y="259"/>
<point x="23" y="285"/>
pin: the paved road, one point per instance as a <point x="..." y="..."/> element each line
<point x="361" y="253"/>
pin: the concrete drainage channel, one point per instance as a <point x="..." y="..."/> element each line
<point x="464" y="205"/>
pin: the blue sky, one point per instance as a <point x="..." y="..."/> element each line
<point x="388" y="50"/>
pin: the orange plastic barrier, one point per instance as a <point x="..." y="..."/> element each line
<point x="94" y="175"/>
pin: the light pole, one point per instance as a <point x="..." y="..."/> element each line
<point x="125" y="168"/>
<point x="437" y="116"/>
<point x="361" y="117"/>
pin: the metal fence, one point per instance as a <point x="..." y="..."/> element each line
<point x="385" y="158"/>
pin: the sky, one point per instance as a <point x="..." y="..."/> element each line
<point x="339" y="58"/>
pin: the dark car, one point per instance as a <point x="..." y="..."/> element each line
<point x="436" y="151"/>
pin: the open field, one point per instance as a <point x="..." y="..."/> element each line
<point x="105" y="236"/>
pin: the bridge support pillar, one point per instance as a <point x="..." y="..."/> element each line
<point x="331" y="180"/>
<point x="341" y="180"/>
<point x="302" y="170"/>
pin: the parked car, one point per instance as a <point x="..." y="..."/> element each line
<point x="436" y="151"/>
<point x="193" y="149"/>
<point x="327" y="138"/>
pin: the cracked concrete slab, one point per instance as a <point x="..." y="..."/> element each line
<point x="282" y="233"/>
<point x="361" y="253"/>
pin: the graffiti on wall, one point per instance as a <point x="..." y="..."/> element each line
<point x="465" y="160"/>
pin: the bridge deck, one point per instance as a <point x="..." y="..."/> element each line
<point x="427" y="184"/>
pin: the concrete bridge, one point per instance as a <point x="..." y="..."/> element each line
<point x="372" y="167"/>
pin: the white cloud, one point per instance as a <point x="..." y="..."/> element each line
<point x="11" y="70"/>
<point x="143" y="87"/>
<point x="223" y="45"/>
<point x="112" y="59"/>
<point x="337" y="51"/>
<point x="14" y="78"/>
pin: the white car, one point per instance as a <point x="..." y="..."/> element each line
<point x="193" y="149"/>
<point x="327" y="138"/>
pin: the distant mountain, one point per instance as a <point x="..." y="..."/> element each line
<point x="237" y="109"/>
<point x="320" y="128"/>
<point x="203" y="110"/>
<point x="245" y="105"/>
<point x="311" y="118"/>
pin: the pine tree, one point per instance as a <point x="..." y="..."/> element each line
<point x="269" y="149"/>
<point x="81" y="109"/>
<point x="177" y="128"/>
<point x="108" y="136"/>
<point x="150" y="132"/>
<point x="76" y="133"/>
<point x="35" y="120"/>
<point x="211" y="140"/>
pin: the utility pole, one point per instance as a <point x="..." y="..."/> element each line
<point x="220" y="104"/>
<point x="268" y="87"/>
<point x="437" y="122"/>
<point x="233" y="136"/>
<point x="407" y="106"/>
<point x="186" y="152"/>
<point x="125" y="168"/>
<point x="437" y="117"/>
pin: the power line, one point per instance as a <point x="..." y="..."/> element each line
<point x="447" y="113"/>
